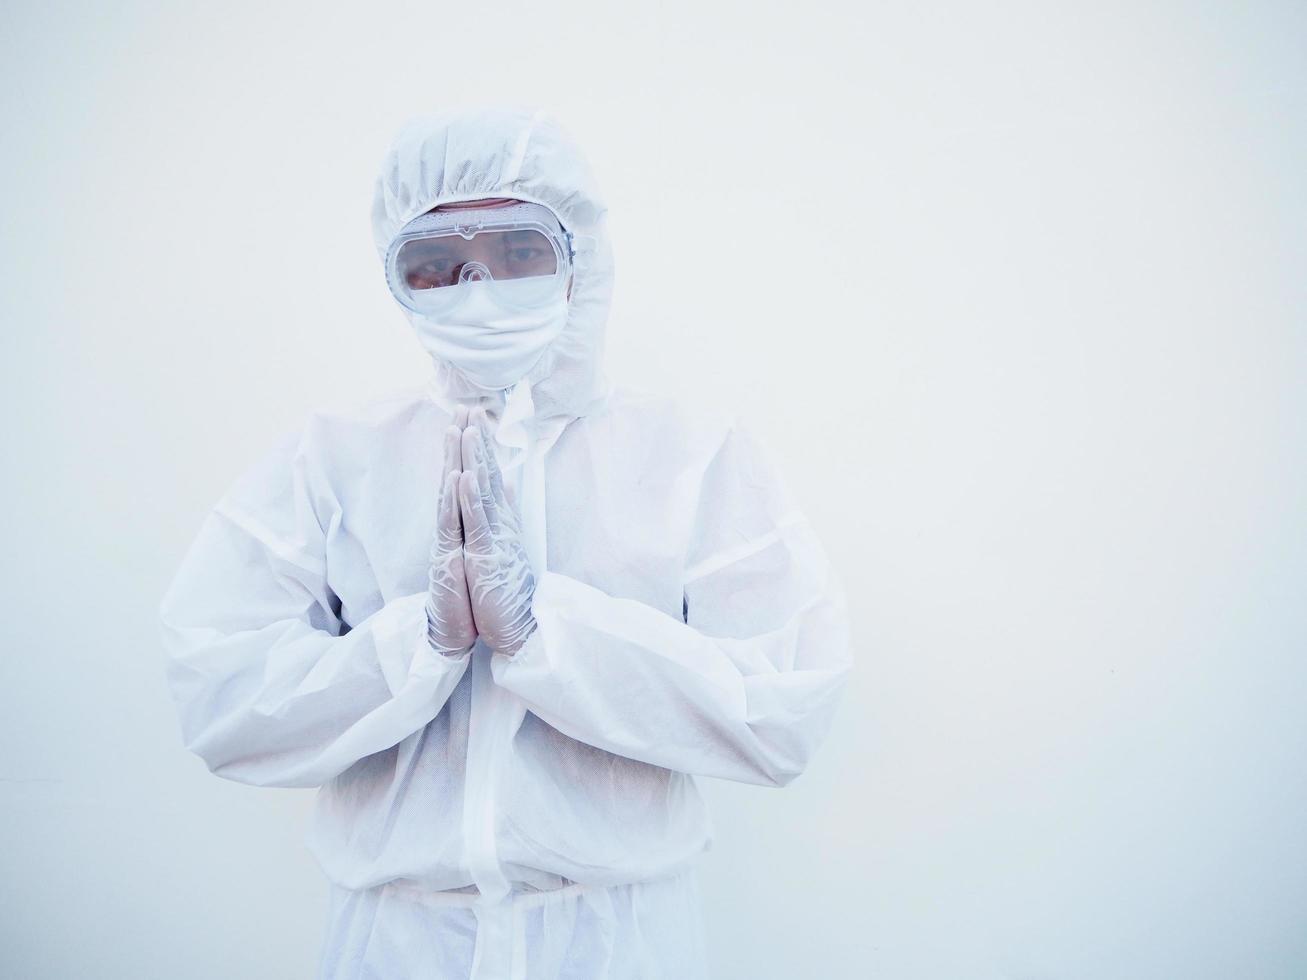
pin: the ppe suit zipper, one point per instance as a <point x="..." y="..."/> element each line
<point x="496" y="716"/>
<point x="495" y="956"/>
<point x="485" y="758"/>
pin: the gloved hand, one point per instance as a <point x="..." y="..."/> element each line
<point x="499" y="575"/>
<point x="450" y="626"/>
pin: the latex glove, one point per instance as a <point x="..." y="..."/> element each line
<point x="450" y="627"/>
<point x="499" y="575"/>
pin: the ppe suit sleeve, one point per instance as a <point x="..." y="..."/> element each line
<point x="744" y="687"/>
<point x="272" y="688"/>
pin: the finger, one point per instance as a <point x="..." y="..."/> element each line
<point x="474" y="454"/>
<point x="476" y="525"/>
<point x="502" y="510"/>
<point x="483" y="483"/>
<point x="482" y="422"/>
<point x="447" y="583"/>
<point x="460" y="417"/>
<point x="481" y="419"/>
<point x="449" y="522"/>
<point x="467" y="449"/>
<point x="452" y="450"/>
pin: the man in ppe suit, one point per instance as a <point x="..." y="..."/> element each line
<point x="504" y="620"/>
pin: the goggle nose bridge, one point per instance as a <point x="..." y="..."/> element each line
<point x="474" y="271"/>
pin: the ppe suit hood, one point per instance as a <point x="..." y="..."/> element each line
<point x="461" y="155"/>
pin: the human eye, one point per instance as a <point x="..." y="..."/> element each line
<point x="529" y="255"/>
<point x="429" y="275"/>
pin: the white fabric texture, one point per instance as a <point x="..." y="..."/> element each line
<point x="529" y="816"/>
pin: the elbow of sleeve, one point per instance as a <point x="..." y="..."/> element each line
<point x="792" y="747"/>
<point x="773" y="761"/>
<point x="780" y="772"/>
<point x="243" y="744"/>
<point x="786" y="763"/>
<point x="242" y="765"/>
<point x="780" y="777"/>
<point x="252" y="768"/>
<point x="247" y="773"/>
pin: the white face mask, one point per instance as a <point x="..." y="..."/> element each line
<point x="493" y="342"/>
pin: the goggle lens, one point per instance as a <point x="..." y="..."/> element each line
<point x="446" y="260"/>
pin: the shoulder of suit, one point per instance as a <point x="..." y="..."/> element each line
<point x="666" y="417"/>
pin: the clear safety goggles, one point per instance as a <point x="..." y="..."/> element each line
<point x="521" y="248"/>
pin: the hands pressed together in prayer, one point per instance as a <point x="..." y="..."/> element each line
<point x="480" y="581"/>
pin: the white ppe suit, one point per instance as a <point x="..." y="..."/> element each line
<point x="529" y="816"/>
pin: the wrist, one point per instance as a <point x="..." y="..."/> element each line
<point x="442" y="647"/>
<point x="520" y="641"/>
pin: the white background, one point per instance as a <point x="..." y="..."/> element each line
<point x="1016" y="294"/>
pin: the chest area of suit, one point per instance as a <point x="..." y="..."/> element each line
<point x="616" y="518"/>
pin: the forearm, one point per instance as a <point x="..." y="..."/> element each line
<point x="290" y="705"/>
<point x="625" y="677"/>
